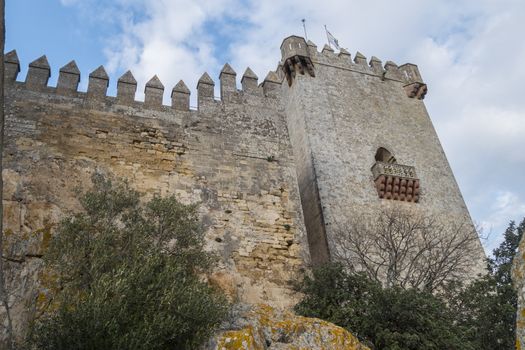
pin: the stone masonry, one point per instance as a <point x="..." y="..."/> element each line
<point x="338" y="119"/>
<point x="274" y="165"/>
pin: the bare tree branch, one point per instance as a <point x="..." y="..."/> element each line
<point x="405" y="249"/>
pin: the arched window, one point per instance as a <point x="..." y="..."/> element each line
<point x="384" y="155"/>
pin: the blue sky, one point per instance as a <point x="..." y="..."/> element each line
<point x="471" y="54"/>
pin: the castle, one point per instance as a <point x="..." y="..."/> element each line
<point x="274" y="165"/>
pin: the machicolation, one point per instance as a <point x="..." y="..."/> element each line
<point x="296" y="59"/>
<point x="276" y="166"/>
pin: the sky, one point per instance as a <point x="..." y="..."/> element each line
<point x="471" y="53"/>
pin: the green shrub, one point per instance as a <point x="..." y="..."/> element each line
<point x="478" y="315"/>
<point x="390" y="318"/>
<point x="487" y="307"/>
<point x="129" y="276"/>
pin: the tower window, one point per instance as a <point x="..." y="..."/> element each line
<point x="392" y="180"/>
<point x="384" y="155"/>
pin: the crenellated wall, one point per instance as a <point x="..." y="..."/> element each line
<point x="39" y="73"/>
<point x="340" y="112"/>
<point x="275" y="166"/>
<point x="233" y="156"/>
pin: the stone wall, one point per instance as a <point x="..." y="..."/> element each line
<point x="267" y="163"/>
<point x="340" y="114"/>
<point x="231" y="156"/>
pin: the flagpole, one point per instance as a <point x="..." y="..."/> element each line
<point x="304" y="27"/>
<point x="327" y="37"/>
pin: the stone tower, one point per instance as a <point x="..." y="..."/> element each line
<point x="362" y="140"/>
<point x="274" y="166"/>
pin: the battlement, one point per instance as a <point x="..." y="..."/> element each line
<point x="39" y="72"/>
<point x="277" y="168"/>
<point x="299" y="56"/>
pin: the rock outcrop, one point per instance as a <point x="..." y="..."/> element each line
<point x="264" y="327"/>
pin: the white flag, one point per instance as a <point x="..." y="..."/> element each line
<point x="332" y="40"/>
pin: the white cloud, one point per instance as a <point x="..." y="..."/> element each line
<point x="471" y="54"/>
<point x="169" y="40"/>
<point x="507" y="206"/>
<point x="476" y="102"/>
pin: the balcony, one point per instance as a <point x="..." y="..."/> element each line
<point x="396" y="182"/>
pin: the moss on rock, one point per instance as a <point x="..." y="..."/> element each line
<point x="267" y="328"/>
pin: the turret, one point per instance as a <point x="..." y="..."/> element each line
<point x="415" y="87"/>
<point x="296" y="58"/>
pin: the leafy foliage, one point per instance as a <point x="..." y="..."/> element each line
<point x="128" y="276"/>
<point x="481" y="315"/>
<point x="384" y="318"/>
<point x="339" y="297"/>
<point x="487" y="307"/>
<point x="501" y="265"/>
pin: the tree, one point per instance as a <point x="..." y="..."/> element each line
<point x="480" y="314"/>
<point x="487" y="307"/>
<point x="409" y="250"/>
<point x="500" y="265"/>
<point x="122" y="275"/>
<point x="383" y="318"/>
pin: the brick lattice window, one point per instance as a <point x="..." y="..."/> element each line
<point x="394" y="181"/>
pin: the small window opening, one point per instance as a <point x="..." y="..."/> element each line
<point x="384" y="155"/>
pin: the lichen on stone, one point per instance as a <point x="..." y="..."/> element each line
<point x="265" y="327"/>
